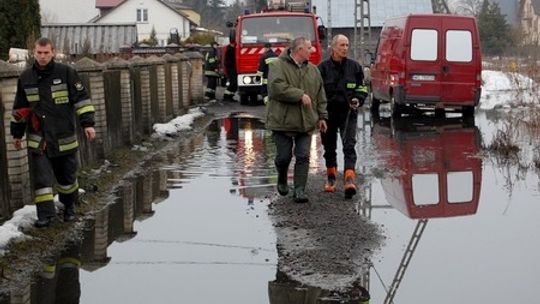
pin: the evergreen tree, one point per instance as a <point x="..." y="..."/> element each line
<point x="495" y="32"/>
<point x="20" y="23"/>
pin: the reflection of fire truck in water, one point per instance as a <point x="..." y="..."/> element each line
<point x="278" y="24"/>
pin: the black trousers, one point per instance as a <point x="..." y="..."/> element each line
<point x="211" y="85"/>
<point x="232" y="87"/>
<point x="338" y="122"/>
<point x="46" y="170"/>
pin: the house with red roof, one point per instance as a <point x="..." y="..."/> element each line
<point x="160" y="15"/>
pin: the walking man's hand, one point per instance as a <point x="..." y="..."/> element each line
<point x="306" y="100"/>
<point x="323" y="126"/>
<point x="90" y="133"/>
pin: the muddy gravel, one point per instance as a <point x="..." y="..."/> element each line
<point x="325" y="242"/>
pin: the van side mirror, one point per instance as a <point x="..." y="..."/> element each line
<point x="229" y="24"/>
<point x="322" y="32"/>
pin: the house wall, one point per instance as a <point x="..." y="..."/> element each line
<point x="530" y="22"/>
<point x="160" y="17"/>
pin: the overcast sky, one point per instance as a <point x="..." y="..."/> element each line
<point x="67" y="11"/>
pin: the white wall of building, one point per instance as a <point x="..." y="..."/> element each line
<point x="160" y="17"/>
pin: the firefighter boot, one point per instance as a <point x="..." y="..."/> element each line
<point x="282" y="187"/>
<point x="350" y="187"/>
<point x="69" y="213"/>
<point x="300" y="180"/>
<point x="331" y="174"/>
<point x="46" y="214"/>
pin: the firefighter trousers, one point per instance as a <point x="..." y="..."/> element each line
<point x="345" y="124"/>
<point x="46" y="170"/>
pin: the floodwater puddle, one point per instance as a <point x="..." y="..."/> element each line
<point x="195" y="227"/>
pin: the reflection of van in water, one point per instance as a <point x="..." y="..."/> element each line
<point x="438" y="172"/>
<point x="428" y="62"/>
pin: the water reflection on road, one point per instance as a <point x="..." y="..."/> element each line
<point x="194" y="227"/>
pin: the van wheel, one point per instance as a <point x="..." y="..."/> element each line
<point x="468" y="111"/>
<point x="395" y="108"/>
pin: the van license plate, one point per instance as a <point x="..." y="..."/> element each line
<point x="423" y="77"/>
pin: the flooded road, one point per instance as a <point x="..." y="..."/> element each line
<point x="195" y="228"/>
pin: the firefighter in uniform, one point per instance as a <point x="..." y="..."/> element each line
<point x="232" y="75"/>
<point x="211" y="68"/>
<point x="49" y="95"/>
<point x="345" y="92"/>
<point x="266" y="58"/>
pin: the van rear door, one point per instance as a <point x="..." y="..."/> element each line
<point x="459" y="69"/>
<point x="422" y="77"/>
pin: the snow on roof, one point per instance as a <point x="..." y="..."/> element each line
<point x="343" y="11"/>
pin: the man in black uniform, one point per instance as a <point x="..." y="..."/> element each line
<point x="49" y="94"/>
<point x="211" y="68"/>
<point x="232" y="75"/>
<point x="266" y="58"/>
<point x="345" y="92"/>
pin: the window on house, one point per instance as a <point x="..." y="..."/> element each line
<point x="142" y="15"/>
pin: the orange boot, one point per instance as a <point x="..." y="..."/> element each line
<point x="350" y="187"/>
<point x="331" y="174"/>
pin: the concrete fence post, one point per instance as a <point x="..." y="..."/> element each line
<point x="183" y="81"/>
<point x="157" y="89"/>
<point x="171" y="89"/>
<point x="18" y="190"/>
<point x="124" y="93"/>
<point x="91" y="74"/>
<point x="196" y="78"/>
<point x="141" y="92"/>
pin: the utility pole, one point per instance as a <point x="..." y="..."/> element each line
<point x="362" y="37"/>
<point x="329" y="23"/>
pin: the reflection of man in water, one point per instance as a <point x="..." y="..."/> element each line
<point x="59" y="283"/>
<point x="283" y="290"/>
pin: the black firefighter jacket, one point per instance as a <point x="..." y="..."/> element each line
<point x="45" y="106"/>
<point x="342" y="82"/>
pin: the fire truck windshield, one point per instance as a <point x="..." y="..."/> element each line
<point x="275" y="29"/>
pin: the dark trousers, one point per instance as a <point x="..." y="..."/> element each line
<point x="338" y="122"/>
<point x="211" y="86"/>
<point x="46" y="170"/>
<point x="286" y="144"/>
<point x="232" y="87"/>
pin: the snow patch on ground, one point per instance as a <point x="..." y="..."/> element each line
<point x="503" y="89"/>
<point x="180" y="123"/>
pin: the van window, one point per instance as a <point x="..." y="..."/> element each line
<point x="425" y="188"/>
<point x="424" y="45"/>
<point x="458" y="46"/>
<point x="460" y="186"/>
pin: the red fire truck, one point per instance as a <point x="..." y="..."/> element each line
<point x="278" y="24"/>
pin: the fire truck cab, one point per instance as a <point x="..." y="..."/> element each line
<point x="278" y="24"/>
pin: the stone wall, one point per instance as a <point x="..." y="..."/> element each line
<point x="129" y="97"/>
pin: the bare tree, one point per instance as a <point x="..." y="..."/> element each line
<point x="468" y="7"/>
